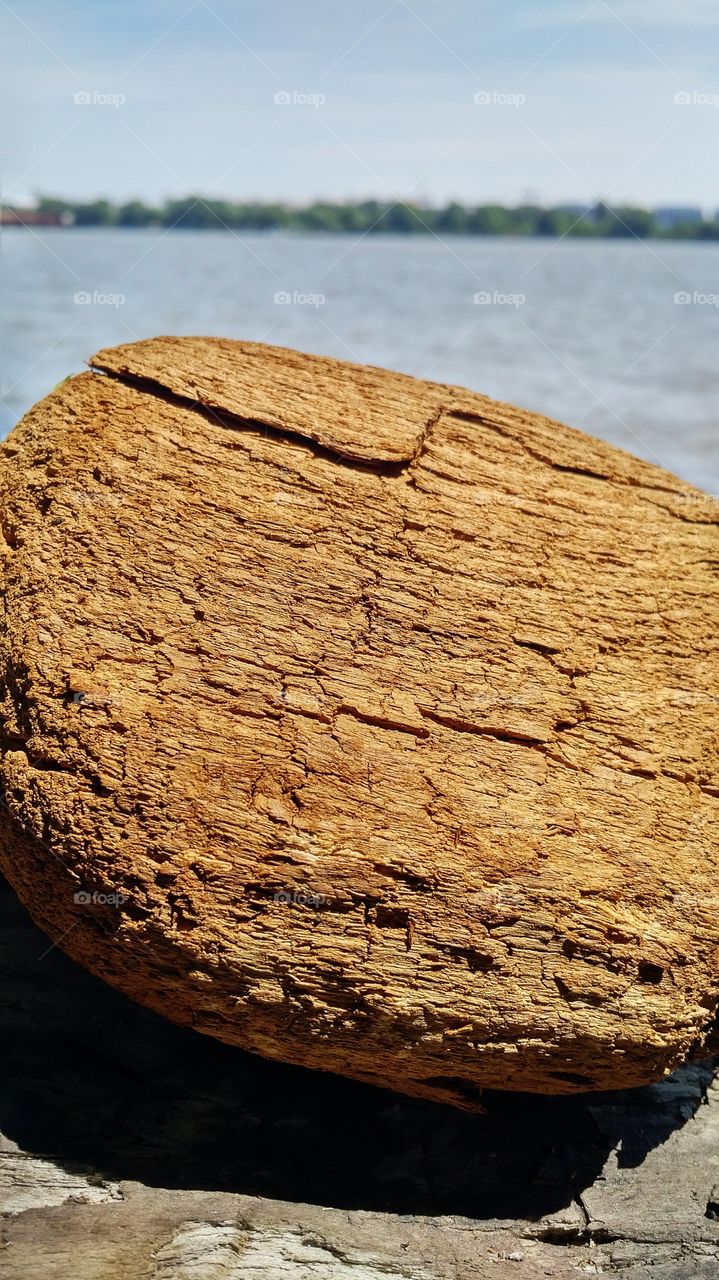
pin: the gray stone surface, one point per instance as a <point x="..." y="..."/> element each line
<point x="134" y="1148"/>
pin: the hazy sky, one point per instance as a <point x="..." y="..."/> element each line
<point x="581" y="99"/>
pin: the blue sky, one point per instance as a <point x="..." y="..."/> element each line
<point x="581" y="99"/>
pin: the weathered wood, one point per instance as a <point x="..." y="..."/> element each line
<point x="387" y="711"/>
<point x="133" y="1148"/>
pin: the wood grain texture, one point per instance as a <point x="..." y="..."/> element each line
<point x="388" y="711"/>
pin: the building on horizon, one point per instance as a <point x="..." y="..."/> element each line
<point x="10" y="217"/>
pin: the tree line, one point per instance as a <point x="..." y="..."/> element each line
<point x="374" y="216"/>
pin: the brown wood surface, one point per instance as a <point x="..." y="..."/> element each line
<point x="387" y="711"/>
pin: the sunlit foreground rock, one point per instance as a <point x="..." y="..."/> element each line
<point x="363" y="722"/>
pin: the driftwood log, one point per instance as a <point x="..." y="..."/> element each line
<point x="365" y="723"/>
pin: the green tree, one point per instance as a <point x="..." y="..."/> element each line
<point x="454" y="220"/>
<point x="490" y="220"/>
<point x="136" y="214"/>
<point x="98" y="213"/>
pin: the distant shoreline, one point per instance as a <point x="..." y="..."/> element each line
<point x="371" y="217"/>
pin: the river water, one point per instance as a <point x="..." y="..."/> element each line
<point x="618" y="338"/>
